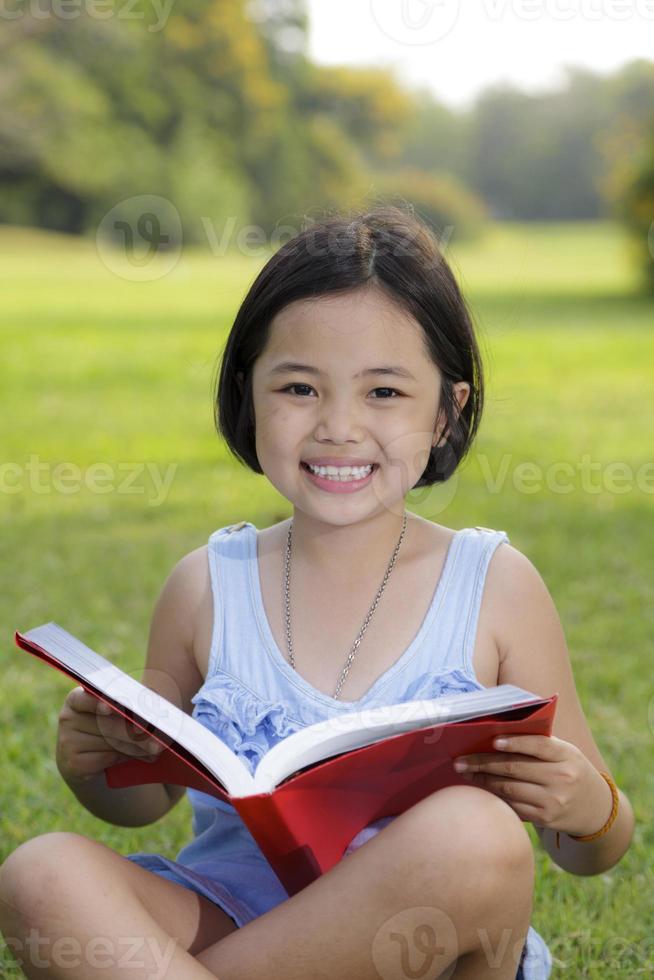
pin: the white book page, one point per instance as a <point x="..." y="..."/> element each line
<point x="355" y="729"/>
<point x="88" y="665"/>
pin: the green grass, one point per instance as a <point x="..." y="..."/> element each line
<point x="100" y="369"/>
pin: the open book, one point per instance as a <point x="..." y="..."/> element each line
<point x="317" y="788"/>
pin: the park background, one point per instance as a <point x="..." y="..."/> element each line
<point x="149" y="165"/>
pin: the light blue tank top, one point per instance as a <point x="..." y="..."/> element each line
<point x="252" y="698"/>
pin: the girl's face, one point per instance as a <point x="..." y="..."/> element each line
<point x="333" y="408"/>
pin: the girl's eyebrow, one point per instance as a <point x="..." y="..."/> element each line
<point x="286" y="366"/>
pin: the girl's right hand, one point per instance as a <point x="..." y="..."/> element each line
<point x="89" y="741"/>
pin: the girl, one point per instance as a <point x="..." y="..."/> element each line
<point x="351" y="375"/>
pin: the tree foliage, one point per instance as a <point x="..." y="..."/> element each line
<point x="220" y="110"/>
<point x="627" y="146"/>
<point x="454" y="212"/>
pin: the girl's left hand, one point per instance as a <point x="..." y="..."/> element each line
<point x="545" y="780"/>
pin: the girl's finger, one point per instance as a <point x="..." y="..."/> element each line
<point x="118" y="724"/>
<point x="136" y="732"/>
<point x="516" y="766"/>
<point x="81" y="700"/>
<point x="144" y="750"/>
<point x="527" y="809"/>
<point x="546" y="747"/>
<point x="510" y="790"/>
<point x="93" y="743"/>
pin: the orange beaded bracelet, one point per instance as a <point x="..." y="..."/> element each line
<point x="609" y="823"/>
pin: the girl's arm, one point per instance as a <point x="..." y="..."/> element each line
<point x="134" y="806"/>
<point x="534" y="655"/>
<point x="596" y="856"/>
<point x="170" y="670"/>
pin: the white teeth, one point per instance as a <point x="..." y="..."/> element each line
<point x="342" y="473"/>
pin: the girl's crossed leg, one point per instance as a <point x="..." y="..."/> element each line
<point x="70" y="906"/>
<point x="445" y="890"/>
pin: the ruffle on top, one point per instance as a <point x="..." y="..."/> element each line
<point x="251" y="725"/>
<point x="428" y="685"/>
<point x="247" y="723"/>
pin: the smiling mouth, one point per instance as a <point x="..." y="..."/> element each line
<point x="305" y="466"/>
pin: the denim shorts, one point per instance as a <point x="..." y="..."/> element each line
<point x="520" y="975"/>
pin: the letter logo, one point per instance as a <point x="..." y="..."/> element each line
<point x="140" y="238"/>
<point x="415" y="22"/>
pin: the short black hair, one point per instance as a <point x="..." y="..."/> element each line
<point x="388" y="247"/>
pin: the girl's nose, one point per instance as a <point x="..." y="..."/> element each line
<point x="339" y="422"/>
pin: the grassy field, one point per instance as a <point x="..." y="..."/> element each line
<point x="100" y="369"/>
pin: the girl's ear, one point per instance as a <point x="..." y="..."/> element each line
<point x="461" y="393"/>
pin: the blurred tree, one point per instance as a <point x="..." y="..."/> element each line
<point x="439" y="198"/>
<point x="96" y="111"/>
<point x="56" y="132"/>
<point x="436" y="138"/>
<point x="368" y="104"/>
<point x="220" y="110"/>
<point x="96" y="135"/>
<point x="284" y="28"/>
<point x="627" y="147"/>
<point x="637" y="211"/>
<point x="532" y="156"/>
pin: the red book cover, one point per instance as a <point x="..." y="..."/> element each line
<point x="304" y="825"/>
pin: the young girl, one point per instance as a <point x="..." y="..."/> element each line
<point x="351" y="375"/>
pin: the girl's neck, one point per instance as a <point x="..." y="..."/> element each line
<point x="347" y="553"/>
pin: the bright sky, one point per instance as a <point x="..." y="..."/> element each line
<point x="455" y="49"/>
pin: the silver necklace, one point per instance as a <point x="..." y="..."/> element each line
<point x="287" y="601"/>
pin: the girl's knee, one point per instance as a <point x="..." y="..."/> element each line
<point x="498" y="830"/>
<point x="471" y="852"/>
<point x="472" y="828"/>
<point x="38" y="870"/>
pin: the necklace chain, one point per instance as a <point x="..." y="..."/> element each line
<point x="287" y="604"/>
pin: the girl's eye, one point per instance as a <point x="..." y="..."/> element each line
<point x="297" y="384"/>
